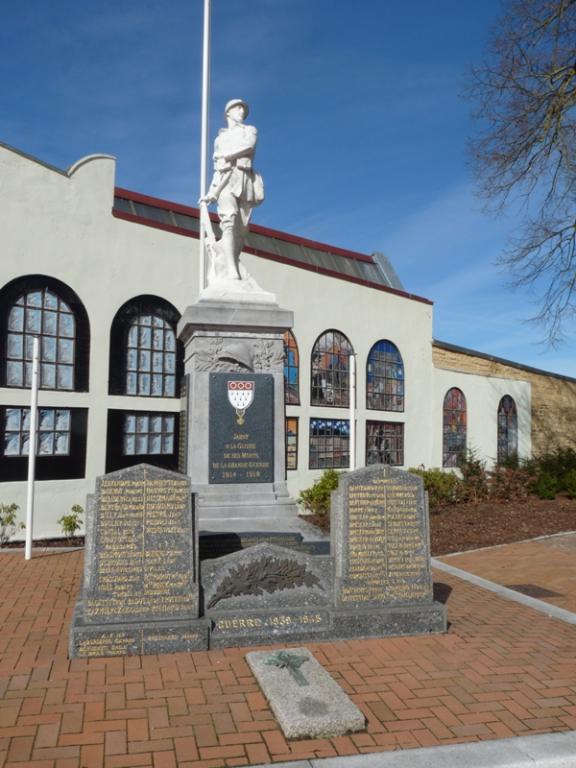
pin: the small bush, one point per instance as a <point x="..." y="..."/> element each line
<point x="569" y="483"/>
<point x="8" y="522"/>
<point x="557" y="464"/>
<point x="317" y="498"/>
<point x="546" y="486"/>
<point x="475" y="478"/>
<point x="509" y="484"/>
<point x="510" y="462"/>
<point x="71" y="522"/>
<point x="443" y="487"/>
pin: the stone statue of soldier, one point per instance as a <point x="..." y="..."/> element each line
<point x="236" y="188"/>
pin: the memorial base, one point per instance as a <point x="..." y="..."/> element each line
<point x="135" y="638"/>
<point x="232" y="629"/>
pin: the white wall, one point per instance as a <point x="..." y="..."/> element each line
<point x="483" y="395"/>
<point x="61" y="225"/>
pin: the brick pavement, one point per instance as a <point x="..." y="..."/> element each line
<point x="502" y="670"/>
<point x="549" y="563"/>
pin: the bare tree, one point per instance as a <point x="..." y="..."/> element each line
<point x="525" y="92"/>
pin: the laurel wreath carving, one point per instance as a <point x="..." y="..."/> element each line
<point x="268" y="356"/>
<point x="267" y="574"/>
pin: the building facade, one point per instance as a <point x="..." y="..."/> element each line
<point x="102" y="276"/>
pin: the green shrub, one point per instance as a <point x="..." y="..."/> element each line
<point x="8" y="522"/>
<point x="71" y="522"/>
<point x="317" y="498"/>
<point x="557" y="464"/>
<point x="475" y="478"/>
<point x="443" y="487"/>
<point x="546" y="486"/>
<point x="569" y="483"/>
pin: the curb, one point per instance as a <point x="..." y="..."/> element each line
<point x="548" y="750"/>
<point x="530" y="602"/>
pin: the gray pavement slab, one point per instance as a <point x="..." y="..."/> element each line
<point x="549" y="750"/>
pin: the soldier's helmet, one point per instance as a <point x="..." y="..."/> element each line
<point x="234" y="103"/>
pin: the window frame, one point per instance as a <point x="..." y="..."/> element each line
<point x="116" y="458"/>
<point x="508" y="430"/>
<point x="20" y="287"/>
<point x="394" y="426"/>
<point x="295" y="451"/>
<point x="387" y="380"/>
<point x="289" y="337"/>
<point x="345" y="461"/>
<point x="448" y="414"/>
<point x="48" y="467"/>
<point x="119" y="332"/>
<point x="343" y="371"/>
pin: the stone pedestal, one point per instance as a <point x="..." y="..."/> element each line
<point x="234" y="365"/>
<point x="140" y="592"/>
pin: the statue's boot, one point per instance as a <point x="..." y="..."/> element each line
<point x="227" y="249"/>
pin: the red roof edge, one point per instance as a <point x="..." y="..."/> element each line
<point x="256" y="228"/>
<point x="189" y="211"/>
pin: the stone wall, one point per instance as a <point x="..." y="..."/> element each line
<point x="553" y="396"/>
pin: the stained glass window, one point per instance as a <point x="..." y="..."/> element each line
<point x="454" y="428"/>
<point x="151" y="357"/>
<point x="148" y="433"/>
<point x="41" y="313"/>
<point x="291" y="443"/>
<point x="507" y="429"/>
<point x="330" y="375"/>
<point x="329" y="443"/>
<point x="53" y="437"/>
<point x="384" y="443"/>
<point x="291" y="363"/>
<point x="385" y="378"/>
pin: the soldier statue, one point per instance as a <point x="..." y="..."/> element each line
<point x="236" y="188"/>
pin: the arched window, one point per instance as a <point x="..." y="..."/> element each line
<point x="151" y="357"/>
<point x="507" y="429"/>
<point x="291" y="367"/>
<point x="330" y="375"/>
<point x="454" y="428"/>
<point x="385" y="378"/>
<point x="145" y="356"/>
<point x="40" y="306"/>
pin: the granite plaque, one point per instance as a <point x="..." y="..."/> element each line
<point x="306" y="701"/>
<point x="140" y="587"/>
<point x="241" y="432"/>
<point x="266" y="593"/>
<point x="380" y="539"/>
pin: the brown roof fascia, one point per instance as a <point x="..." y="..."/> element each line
<point x="194" y="212"/>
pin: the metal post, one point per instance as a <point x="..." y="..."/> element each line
<point x="204" y="132"/>
<point x="32" y="449"/>
<point x="352" y="411"/>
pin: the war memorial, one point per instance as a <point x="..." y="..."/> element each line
<point x="216" y="556"/>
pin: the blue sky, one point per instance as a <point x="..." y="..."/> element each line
<point x="362" y="122"/>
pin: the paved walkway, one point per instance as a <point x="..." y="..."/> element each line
<point x="542" y="568"/>
<point x="502" y="670"/>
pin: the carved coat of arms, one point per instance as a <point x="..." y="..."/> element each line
<point x="240" y="397"/>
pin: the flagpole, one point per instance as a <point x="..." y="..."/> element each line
<point x="352" y="411"/>
<point x="204" y="133"/>
<point x="32" y="450"/>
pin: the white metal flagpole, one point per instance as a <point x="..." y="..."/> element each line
<point x="32" y="448"/>
<point x="204" y="133"/>
<point x="352" y="411"/>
